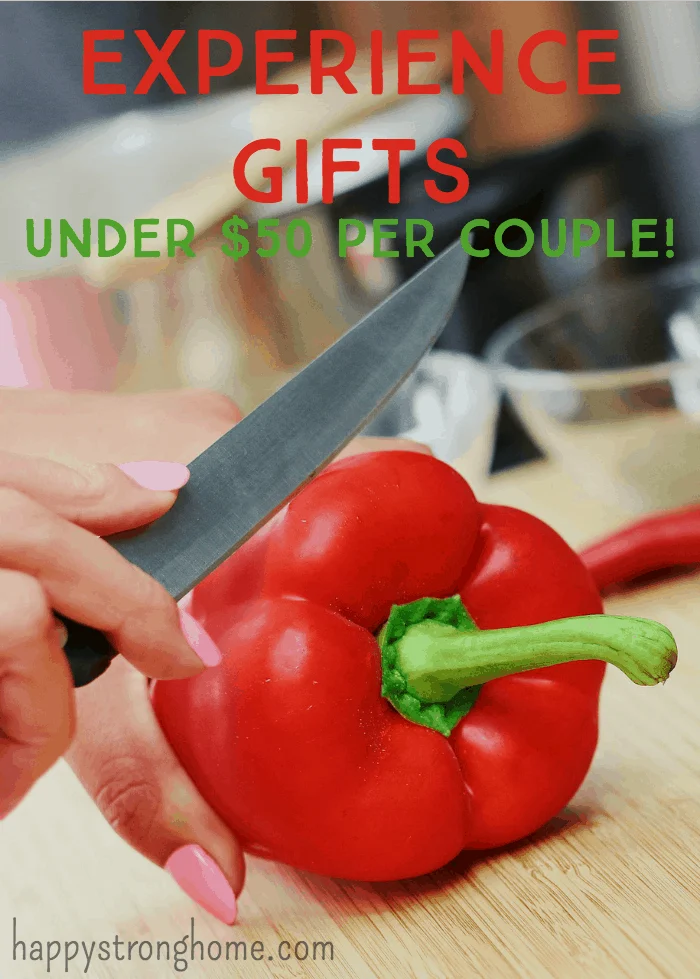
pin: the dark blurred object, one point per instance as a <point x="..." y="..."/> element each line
<point x="535" y="137"/>
<point x="500" y="288"/>
<point x="522" y="148"/>
<point x="41" y="65"/>
<point x="659" y="113"/>
<point x="243" y="19"/>
<point x="41" y="57"/>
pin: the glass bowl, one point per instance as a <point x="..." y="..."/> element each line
<point x="607" y="382"/>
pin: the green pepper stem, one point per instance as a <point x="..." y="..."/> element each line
<point x="438" y="661"/>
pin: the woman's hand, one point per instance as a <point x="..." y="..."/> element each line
<point x="119" y="753"/>
<point x="52" y="560"/>
<point x="98" y="427"/>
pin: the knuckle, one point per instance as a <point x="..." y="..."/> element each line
<point x="141" y="614"/>
<point x="90" y="481"/>
<point x="24" y="609"/>
<point x="88" y="485"/>
<point x="154" y="597"/>
<point x="128" y="800"/>
<point x="14" y="505"/>
<point x="156" y="614"/>
<point x="24" y="524"/>
<point x="215" y="407"/>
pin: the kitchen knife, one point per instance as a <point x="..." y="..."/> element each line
<point x="252" y="471"/>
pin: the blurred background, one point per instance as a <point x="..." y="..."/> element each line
<point x="597" y="356"/>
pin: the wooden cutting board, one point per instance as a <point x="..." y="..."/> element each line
<point x="610" y="888"/>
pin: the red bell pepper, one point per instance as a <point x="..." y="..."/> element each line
<point x="324" y="751"/>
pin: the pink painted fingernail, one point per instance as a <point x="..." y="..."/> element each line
<point x="203" y="880"/>
<point x="203" y="645"/>
<point x="157" y="475"/>
<point x="186" y="601"/>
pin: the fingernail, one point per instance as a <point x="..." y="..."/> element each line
<point x="186" y="601"/>
<point x="157" y="475"/>
<point x="203" y="645"/>
<point x="203" y="880"/>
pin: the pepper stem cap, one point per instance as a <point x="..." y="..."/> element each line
<point x="435" y="659"/>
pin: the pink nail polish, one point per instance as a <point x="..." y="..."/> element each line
<point x="203" y="880"/>
<point x="155" y="475"/>
<point x="186" y="602"/>
<point x="203" y="645"/>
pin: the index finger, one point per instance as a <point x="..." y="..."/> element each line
<point x="87" y="580"/>
<point x="103" y="498"/>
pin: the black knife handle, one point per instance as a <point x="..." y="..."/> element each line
<point x="87" y="650"/>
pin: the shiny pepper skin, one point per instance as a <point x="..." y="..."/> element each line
<point x="290" y="739"/>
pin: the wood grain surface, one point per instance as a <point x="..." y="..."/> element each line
<point x="609" y="888"/>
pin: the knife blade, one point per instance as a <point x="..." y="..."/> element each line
<point x="248" y="474"/>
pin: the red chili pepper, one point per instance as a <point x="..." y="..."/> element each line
<point x="655" y="543"/>
<point x="375" y="759"/>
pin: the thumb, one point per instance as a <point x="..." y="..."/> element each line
<point x="102" y="498"/>
<point x="125" y="763"/>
